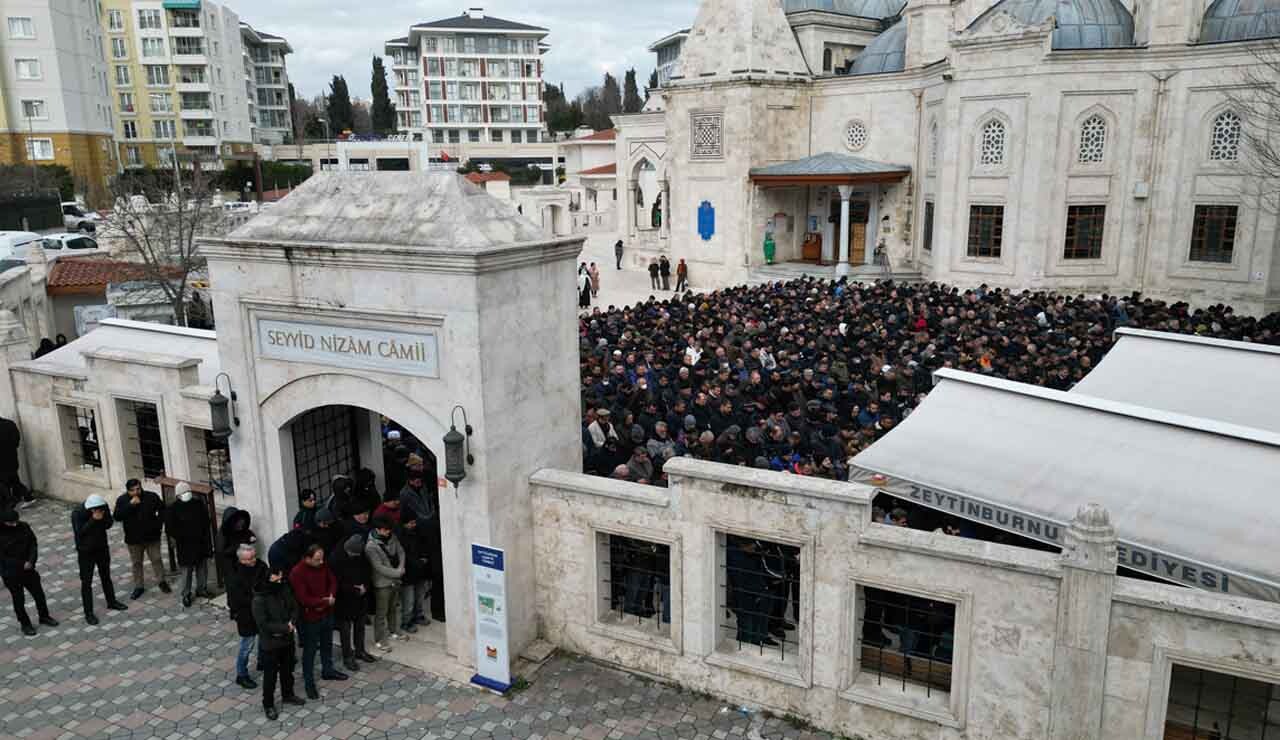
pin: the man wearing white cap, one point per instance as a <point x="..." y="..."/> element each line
<point x="89" y="524"/>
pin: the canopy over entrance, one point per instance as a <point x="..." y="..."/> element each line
<point x="1193" y="500"/>
<point x="829" y="168"/>
<point x="1210" y="378"/>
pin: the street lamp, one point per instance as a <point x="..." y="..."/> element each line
<point x="457" y="449"/>
<point x="222" y="410"/>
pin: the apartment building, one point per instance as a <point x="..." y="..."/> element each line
<point x="177" y="80"/>
<point x="470" y="80"/>
<point x="55" y="105"/>
<point x="266" y="86"/>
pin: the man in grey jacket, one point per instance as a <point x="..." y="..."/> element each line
<point x="386" y="561"/>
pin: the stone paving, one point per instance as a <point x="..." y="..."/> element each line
<point x="161" y="671"/>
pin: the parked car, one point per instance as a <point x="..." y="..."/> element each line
<point x="14" y="244"/>
<point x="56" y="245"/>
<point x="76" y="218"/>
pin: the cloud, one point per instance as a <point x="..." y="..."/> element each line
<point x="586" y="38"/>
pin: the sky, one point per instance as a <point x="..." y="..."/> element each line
<point x="587" y="38"/>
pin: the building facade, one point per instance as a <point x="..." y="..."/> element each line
<point x="54" y="99"/>
<point x="470" y="81"/>
<point x="266" y="86"/>
<point x="177" y="80"/>
<point x="667" y="50"/>
<point x="1074" y="146"/>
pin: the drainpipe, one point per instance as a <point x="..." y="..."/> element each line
<point x="1153" y="168"/>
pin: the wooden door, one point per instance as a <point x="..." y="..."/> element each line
<point x="857" y="244"/>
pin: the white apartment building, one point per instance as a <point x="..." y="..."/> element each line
<point x="55" y="106"/>
<point x="668" y="50"/>
<point x="178" y="79"/>
<point x="266" y="85"/>
<point x="470" y="80"/>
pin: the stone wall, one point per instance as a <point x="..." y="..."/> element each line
<point x="1021" y="667"/>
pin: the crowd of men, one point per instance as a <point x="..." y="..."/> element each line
<point x="800" y="376"/>
<point x="359" y="556"/>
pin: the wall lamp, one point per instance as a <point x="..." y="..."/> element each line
<point x="222" y="410"/>
<point x="457" y="448"/>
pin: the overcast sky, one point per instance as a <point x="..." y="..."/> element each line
<point x="587" y="38"/>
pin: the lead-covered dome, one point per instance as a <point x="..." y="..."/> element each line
<point x="1080" y="24"/>
<point x="1240" y="20"/>
<point x="886" y="52"/>
<point x="877" y="9"/>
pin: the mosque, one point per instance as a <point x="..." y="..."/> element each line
<point x="1072" y="145"/>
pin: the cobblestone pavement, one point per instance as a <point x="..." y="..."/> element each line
<point x="161" y="671"/>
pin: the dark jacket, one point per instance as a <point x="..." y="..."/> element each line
<point x="417" y="564"/>
<point x="326" y="537"/>
<point x="234" y="532"/>
<point x="273" y="609"/>
<point x="242" y="581"/>
<point x="90" y="534"/>
<point x="143" y="522"/>
<point x="17" y="547"/>
<point x="188" y="525"/>
<point x="288" y="550"/>
<point x="351" y="571"/>
<point x="305" y="519"/>
<point x="10" y="438"/>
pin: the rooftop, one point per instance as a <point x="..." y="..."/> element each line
<point x="831" y="166"/>
<point x="876" y="9"/>
<point x="70" y="276"/>
<point x="481" y="177"/>
<point x="478" y="22"/>
<point x="604" y="169"/>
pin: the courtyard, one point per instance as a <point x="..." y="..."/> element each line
<point x="159" y="671"/>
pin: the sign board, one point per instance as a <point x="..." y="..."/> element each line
<point x="489" y="578"/>
<point x="381" y="350"/>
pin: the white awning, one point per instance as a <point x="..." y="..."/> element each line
<point x="1235" y="382"/>
<point x="1194" y="501"/>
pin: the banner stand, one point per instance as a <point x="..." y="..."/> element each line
<point x="489" y="579"/>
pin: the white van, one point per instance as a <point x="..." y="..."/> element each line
<point x="14" y="244"/>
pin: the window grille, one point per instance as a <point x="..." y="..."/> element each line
<point x="213" y="463"/>
<point x="760" y="590"/>
<point x="635" y="589"/>
<point x="1206" y="705"/>
<point x="1225" y="145"/>
<point x="855" y="135"/>
<point x="324" y="445"/>
<point x="1093" y="140"/>
<point x="1213" y="234"/>
<point x="1085" y="226"/>
<point x="144" y="444"/>
<point x="928" y="226"/>
<point x="80" y="437"/>
<point x="992" y="144"/>
<point x="906" y="639"/>
<point x="986" y="231"/>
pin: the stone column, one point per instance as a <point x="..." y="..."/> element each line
<point x="631" y="209"/>
<point x="842" y="265"/>
<point x="665" y="232"/>
<point x="1084" y="615"/>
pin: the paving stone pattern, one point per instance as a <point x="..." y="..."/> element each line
<point x="161" y="671"/>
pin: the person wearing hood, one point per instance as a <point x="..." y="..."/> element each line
<point x="316" y="588"/>
<point x="366" y="489"/>
<point x="386" y="561"/>
<point x="19" y="551"/>
<point x="352" y="571"/>
<point x="235" y="531"/>
<point x="288" y="548"/>
<point x="340" y="496"/>
<point x="141" y="513"/>
<point x="10" y="440"/>
<point x="327" y="533"/>
<point x="242" y="581"/>
<point x="275" y="612"/>
<point x="189" y="526"/>
<point x="421" y="501"/>
<point x="89" y="525"/>
<point x="305" y="519"/>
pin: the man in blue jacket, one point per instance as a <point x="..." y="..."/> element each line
<point x="89" y="524"/>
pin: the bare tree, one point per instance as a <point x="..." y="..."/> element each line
<point x="1257" y="102"/>
<point x="157" y="218"/>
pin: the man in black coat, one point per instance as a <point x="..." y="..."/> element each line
<point x="89" y="525"/>
<point x="248" y="572"/>
<point x="351" y="568"/>
<point x="18" y="553"/>
<point x="189" y="526"/>
<point x="10" y="439"/>
<point x="276" y="614"/>
<point x="141" y="513"/>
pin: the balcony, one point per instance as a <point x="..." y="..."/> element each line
<point x="196" y="114"/>
<point x="206" y="141"/>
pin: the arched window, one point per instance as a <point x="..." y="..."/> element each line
<point x="1225" y="145"/>
<point x="933" y="144"/>
<point x="1093" y="140"/>
<point x="991" y="153"/>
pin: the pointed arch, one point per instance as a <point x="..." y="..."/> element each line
<point x="992" y="141"/>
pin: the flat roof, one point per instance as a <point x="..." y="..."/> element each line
<point x="135" y="336"/>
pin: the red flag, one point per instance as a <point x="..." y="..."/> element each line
<point x="444" y="155"/>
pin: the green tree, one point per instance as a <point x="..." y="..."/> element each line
<point x="338" y="107"/>
<point x="653" y="80"/>
<point x="610" y="96"/>
<point x="562" y="114"/>
<point x="382" y="113"/>
<point x="631" y="100"/>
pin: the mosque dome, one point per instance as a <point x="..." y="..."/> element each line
<point x="886" y="52"/>
<point x="1081" y="24"/>
<point x="877" y="9"/>
<point x="1240" y="20"/>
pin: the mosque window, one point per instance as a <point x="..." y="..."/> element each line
<point x="986" y="231"/>
<point x="855" y="135"/>
<point x="905" y="641"/>
<point x="1093" y="140"/>
<point x="1085" y="225"/>
<point x="933" y="144"/>
<point x="1213" y="234"/>
<point x="928" y="226"/>
<point x="991" y="153"/>
<point x="1225" y="146"/>
<point x="758" y="595"/>
<point x="80" y="438"/>
<point x="635" y="589"/>
<point x="707" y="136"/>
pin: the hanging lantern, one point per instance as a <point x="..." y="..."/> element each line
<point x="221" y="410"/>
<point x="457" y="449"/>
